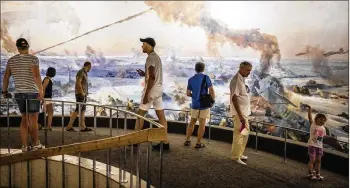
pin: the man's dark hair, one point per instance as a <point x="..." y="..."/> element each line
<point x="199" y="67"/>
<point x="87" y="63"/>
<point x="51" y="72"/>
<point x="23" y="48"/>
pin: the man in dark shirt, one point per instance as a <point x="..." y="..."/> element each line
<point x="81" y="92"/>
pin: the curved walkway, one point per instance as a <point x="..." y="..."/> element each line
<point x="208" y="167"/>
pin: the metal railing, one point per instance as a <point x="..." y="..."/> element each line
<point x="126" y="113"/>
<point x="122" y="172"/>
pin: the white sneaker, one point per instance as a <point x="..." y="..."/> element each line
<point x="39" y="146"/>
<point x="25" y="148"/>
<point x="244" y="157"/>
<point x="239" y="161"/>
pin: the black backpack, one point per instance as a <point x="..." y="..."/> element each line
<point x="206" y="101"/>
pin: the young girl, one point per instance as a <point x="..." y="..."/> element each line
<point x="317" y="132"/>
<point x="47" y="87"/>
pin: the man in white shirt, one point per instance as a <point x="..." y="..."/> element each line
<point x="153" y="91"/>
<point x="240" y="109"/>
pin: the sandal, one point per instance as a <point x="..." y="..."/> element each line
<point x="187" y="143"/>
<point x="70" y="129"/>
<point x="200" y="145"/>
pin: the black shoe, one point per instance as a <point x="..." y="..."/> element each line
<point x="86" y="129"/>
<point x="166" y="147"/>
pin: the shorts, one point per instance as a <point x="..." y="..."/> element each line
<point x="155" y="99"/>
<point x="79" y="98"/>
<point x="48" y="101"/>
<point x="200" y="114"/>
<point x="33" y="105"/>
<point x="315" y="151"/>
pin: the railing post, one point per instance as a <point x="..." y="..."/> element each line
<point x="63" y="165"/>
<point x="256" y="138"/>
<point x="93" y="172"/>
<point x="124" y="161"/>
<point x="46" y="162"/>
<point x="138" y="179"/>
<point x="95" y="120"/>
<point x="79" y="165"/>
<point x="28" y="163"/>
<point x="107" y="169"/>
<point x="131" y="164"/>
<point x="285" y="144"/>
<point x="186" y="122"/>
<point x="8" y="143"/>
<point x="209" y="128"/>
<point x="108" y="175"/>
<point x="44" y="109"/>
<point x="149" y="148"/>
<point x="161" y="166"/>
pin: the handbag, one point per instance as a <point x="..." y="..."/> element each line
<point x="206" y="101"/>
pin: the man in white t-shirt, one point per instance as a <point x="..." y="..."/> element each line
<point x="153" y="91"/>
<point x="240" y="110"/>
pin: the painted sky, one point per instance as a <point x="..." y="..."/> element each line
<point x="295" y="24"/>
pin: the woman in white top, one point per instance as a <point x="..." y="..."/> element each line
<point x="317" y="132"/>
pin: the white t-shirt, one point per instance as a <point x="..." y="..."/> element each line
<point x="154" y="60"/>
<point x="237" y="87"/>
<point x="316" y="133"/>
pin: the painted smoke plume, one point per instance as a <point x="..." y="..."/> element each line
<point x="196" y="14"/>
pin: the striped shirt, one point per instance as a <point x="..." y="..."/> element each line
<point x="20" y="67"/>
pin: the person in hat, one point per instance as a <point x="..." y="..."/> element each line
<point x="24" y="68"/>
<point x="153" y="90"/>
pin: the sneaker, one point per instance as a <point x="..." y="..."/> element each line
<point x="166" y="147"/>
<point x="243" y="157"/>
<point x="39" y="146"/>
<point x="312" y="177"/>
<point x="25" y="149"/>
<point x="239" y="161"/>
<point x="319" y="177"/>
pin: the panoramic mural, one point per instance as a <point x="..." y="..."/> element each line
<point x="299" y="52"/>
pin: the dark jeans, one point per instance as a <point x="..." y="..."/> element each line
<point x="33" y="105"/>
<point x="79" y="98"/>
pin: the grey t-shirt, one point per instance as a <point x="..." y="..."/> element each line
<point x="154" y="60"/>
<point x="84" y="81"/>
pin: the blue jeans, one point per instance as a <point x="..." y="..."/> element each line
<point x="33" y="105"/>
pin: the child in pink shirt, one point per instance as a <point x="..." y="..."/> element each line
<point x="317" y="132"/>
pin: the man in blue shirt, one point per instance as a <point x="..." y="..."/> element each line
<point x="197" y="112"/>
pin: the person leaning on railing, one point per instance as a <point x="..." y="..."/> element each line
<point x="24" y="68"/>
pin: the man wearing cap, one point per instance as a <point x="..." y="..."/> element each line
<point x="28" y="91"/>
<point x="153" y="90"/>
